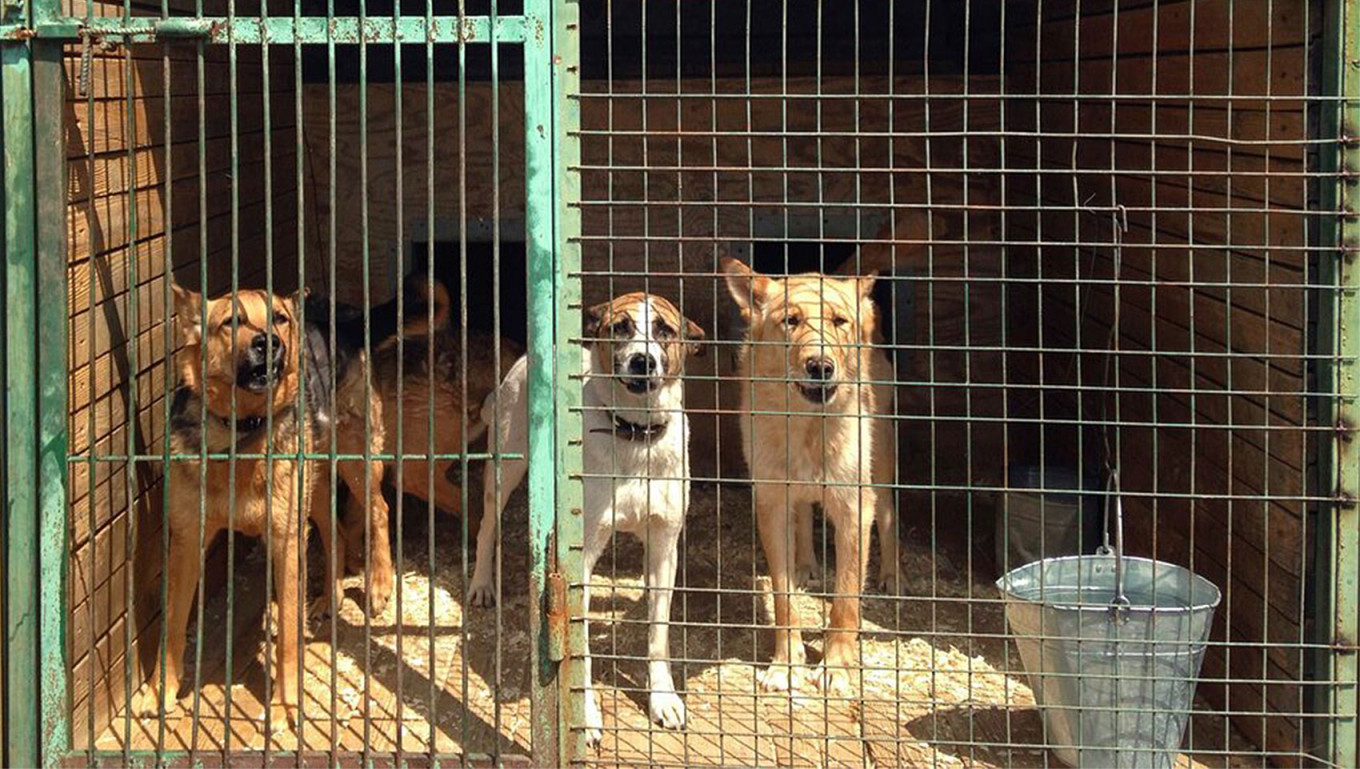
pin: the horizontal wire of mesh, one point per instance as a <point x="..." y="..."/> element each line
<point x="1097" y="231"/>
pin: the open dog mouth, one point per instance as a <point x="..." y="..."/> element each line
<point x="817" y="392"/>
<point x="641" y="385"/>
<point x="257" y="377"/>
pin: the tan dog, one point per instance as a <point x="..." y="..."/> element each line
<point x="241" y="367"/>
<point x="809" y="377"/>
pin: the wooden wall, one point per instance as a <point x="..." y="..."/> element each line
<point x="665" y="196"/>
<point x="123" y="168"/>
<point x="1214" y="309"/>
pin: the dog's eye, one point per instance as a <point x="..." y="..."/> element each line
<point x="622" y="328"/>
<point x="839" y="321"/>
<point x="662" y="331"/>
<point x="792" y="321"/>
<point x="282" y="320"/>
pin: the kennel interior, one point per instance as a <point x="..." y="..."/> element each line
<point x="993" y="161"/>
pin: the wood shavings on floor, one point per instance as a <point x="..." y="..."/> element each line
<point x="941" y="686"/>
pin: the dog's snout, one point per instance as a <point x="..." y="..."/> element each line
<point x="820" y="369"/>
<point x="642" y="364"/>
<point x="263" y="344"/>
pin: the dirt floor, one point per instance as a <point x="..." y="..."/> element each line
<point x="941" y="687"/>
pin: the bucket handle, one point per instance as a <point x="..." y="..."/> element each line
<point x="1119" y="607"/>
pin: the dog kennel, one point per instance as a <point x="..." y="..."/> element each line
<point x="1110" y="235"/>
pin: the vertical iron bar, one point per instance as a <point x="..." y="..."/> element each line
<point x="566" y="158"/>
<point x="49" y="148"/>
<point x="496" y="489"/>
<point x="551" y="221"/>
<point x="21" y="406"/>
<point x="1340" y="327"/>
<point x="168" y="374"/>
<point x="462" y="384"/>
<point x="397" y="280"/>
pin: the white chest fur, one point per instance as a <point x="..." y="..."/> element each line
<point x="629" y="481"/>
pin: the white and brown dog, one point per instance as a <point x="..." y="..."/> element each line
<point x="812" y="382"/>
<point x="636" y="458"/>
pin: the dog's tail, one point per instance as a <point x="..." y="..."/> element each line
<point x="424" y="309"/>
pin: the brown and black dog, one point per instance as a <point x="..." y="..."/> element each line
<point x="257" y="375"/>
<point x="420" y="383"/>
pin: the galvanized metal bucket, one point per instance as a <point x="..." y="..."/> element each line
<point x="1048" y="511"/>
<point x="1115" y="679"/>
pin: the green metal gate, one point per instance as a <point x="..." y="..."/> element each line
<point x="36" y="35"/>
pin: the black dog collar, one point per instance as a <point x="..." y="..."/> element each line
<point x="632" y="431"/>
<point x="244" y="425"/>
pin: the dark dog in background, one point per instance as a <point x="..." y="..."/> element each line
<point x="420" y="383"/>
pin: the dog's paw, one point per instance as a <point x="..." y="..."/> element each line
<point x="594" y="721"/>
<point x="283" y="718"/>
<point x="318" y="610"/>
<point x="807" y="575"/>
<point x="149" y="700"/>
<point x="482" y="593"/>
<point x="667" y="709"/>
<point x="835" y="680"/>
<point x="889" y="580"/>
<point x="380" y="590"/>
<point x="780" y="677"/>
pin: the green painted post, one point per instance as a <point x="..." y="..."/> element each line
<point x="539" y="251"/>
<point x="22" y="610"/>
<point x="570" y="526"/>
<point x="552" y="224"/>
<point x="1339" y="557"/>
<point x="53" y="516"/>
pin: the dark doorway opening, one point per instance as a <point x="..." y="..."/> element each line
<point x="478" y="282"/>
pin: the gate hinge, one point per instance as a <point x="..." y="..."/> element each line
<point x="557" y="616"/>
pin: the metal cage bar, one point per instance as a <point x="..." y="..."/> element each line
<point x="1338" y="537"/>
<point x="1066" y="276"/>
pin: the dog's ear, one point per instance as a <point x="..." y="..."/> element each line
<point x="747" y="287"/>
<point x="298" y="300"/>
<point x="188" y="314"/>
<point x="593" y="322"/>
<point x="694" y="336"/>
<point x="868" y="309"/>
<point x="866" y="283"/>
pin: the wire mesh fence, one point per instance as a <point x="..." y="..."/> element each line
<point x="856" y="322"/>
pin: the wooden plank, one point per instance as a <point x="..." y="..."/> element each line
<point x="110" y="131"/>
<point x="109" y="74"/>
<point x="1252" y="177"/>
<point x="1202" y="26"/>
<point x="107" y="174"/>
<point x="1278" y="73"/>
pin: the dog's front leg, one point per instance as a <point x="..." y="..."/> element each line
<point x="852" y="513"/>
<point x="665" y="705"/>
<point x="182" y="570"/>
<point x="777" y="538"/>
<point x="596" y="537"/>
<point x="372" y="515"/>
<point x="806" y="570"/>
<point x="482" y="590"/>
<point x="289" y="570"/>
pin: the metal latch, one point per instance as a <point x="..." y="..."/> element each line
<point x="107" y="37"/>
<point x="557" y="616"/>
